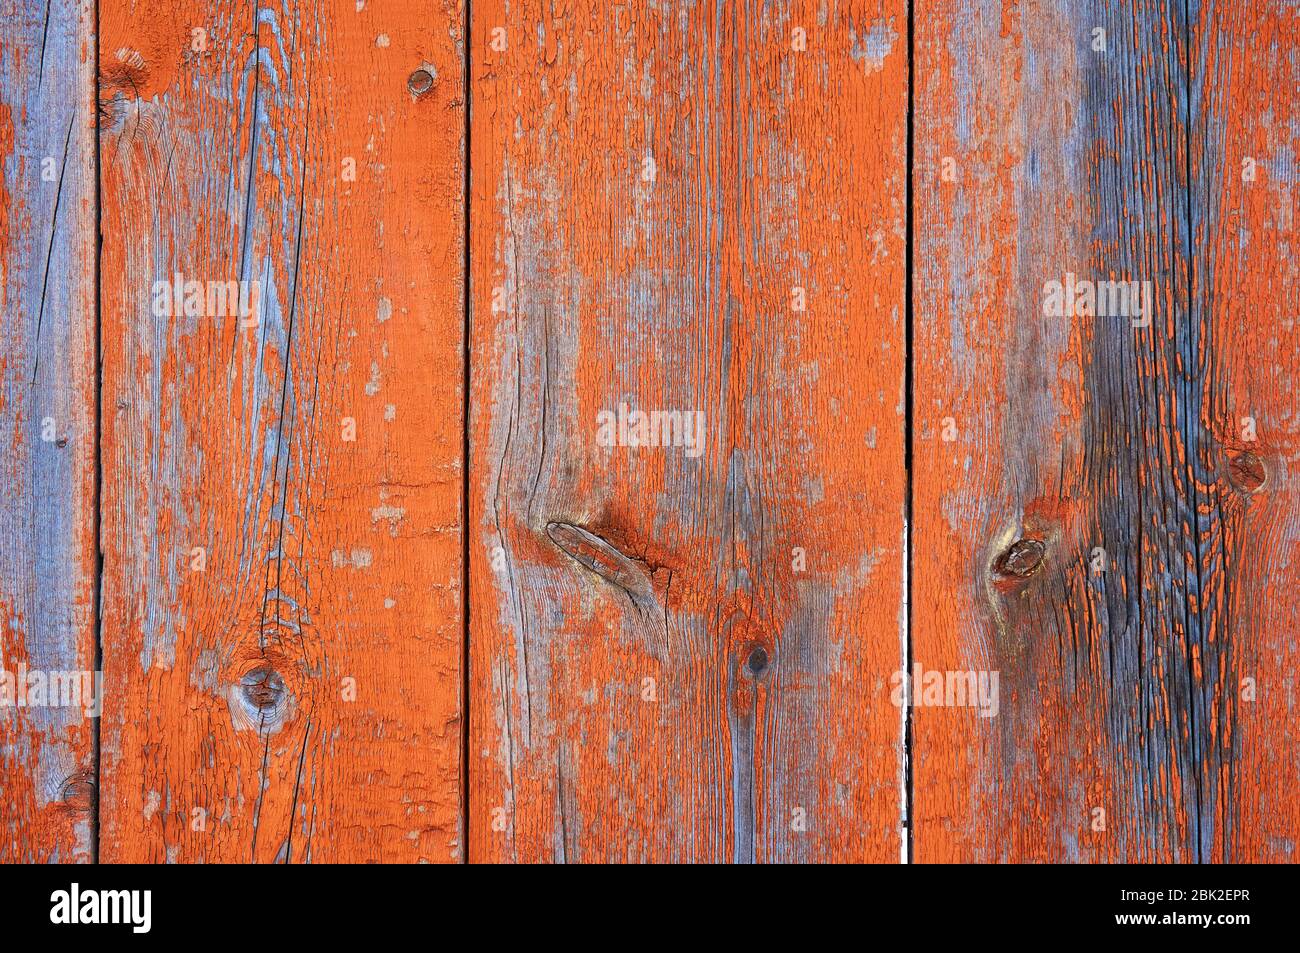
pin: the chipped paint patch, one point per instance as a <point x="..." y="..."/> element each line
<point x="393" y="514"/>
<point x="874" y="46"/>
<point x="357" y="559"/>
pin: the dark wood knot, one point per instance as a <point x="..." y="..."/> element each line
<point x="1246" y="471"/>
<point x="78" y="792"/>
<point x="263" y="689"/>
<point x="1022" y="559"/>
<point x="604" y="559"/>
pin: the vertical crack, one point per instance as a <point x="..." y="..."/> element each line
<point x="97" y="609"/>
<point x="908" y="435"/>
<point x="49" y="253"/>
<point x="466" y="351"/>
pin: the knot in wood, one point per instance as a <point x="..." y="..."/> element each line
<point x="1022" y="559"/>
<point x="78" y="793"/>
<point x="1246" y="471"/>
<point x="263" y="688"/>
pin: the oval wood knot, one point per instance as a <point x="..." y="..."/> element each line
<point x="603" y="559"/>
<point x="1022" y="559"/>
<point x="757" y="661"/>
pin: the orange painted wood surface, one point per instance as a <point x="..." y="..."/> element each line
<point x="1096" y="520"/>
<point x="682" y="652"/>
<point x="47" y="427"/>
<point x="1245" y="142"/>
<point x="281" y="517"/>
<point x="728" y="353"/>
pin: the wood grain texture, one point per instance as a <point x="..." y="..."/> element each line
<point x="684" y="637"/>
<point x="1246" y="136"/>
<point x="47" y="425"/>
<point x="291" y="693"/>
<point x="1166" y="574"/>
<point x="656" y="673"/>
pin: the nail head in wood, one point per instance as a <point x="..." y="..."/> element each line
<point x="420" y="82"/>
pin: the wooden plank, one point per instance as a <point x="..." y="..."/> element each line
<point x="282" y="608"/>
<point x="1081" y="528"/>
<point x="677" y="651"/>
<point x="47" y="422"/>
<point x="1246" y="135"/>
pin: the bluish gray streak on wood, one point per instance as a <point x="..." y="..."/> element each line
<point x="1140" y="653"/>
<point x="47" y="416"/>
<point x="1159" y="508"/>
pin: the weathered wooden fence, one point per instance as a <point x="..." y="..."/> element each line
<point x="759" y="432"/>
